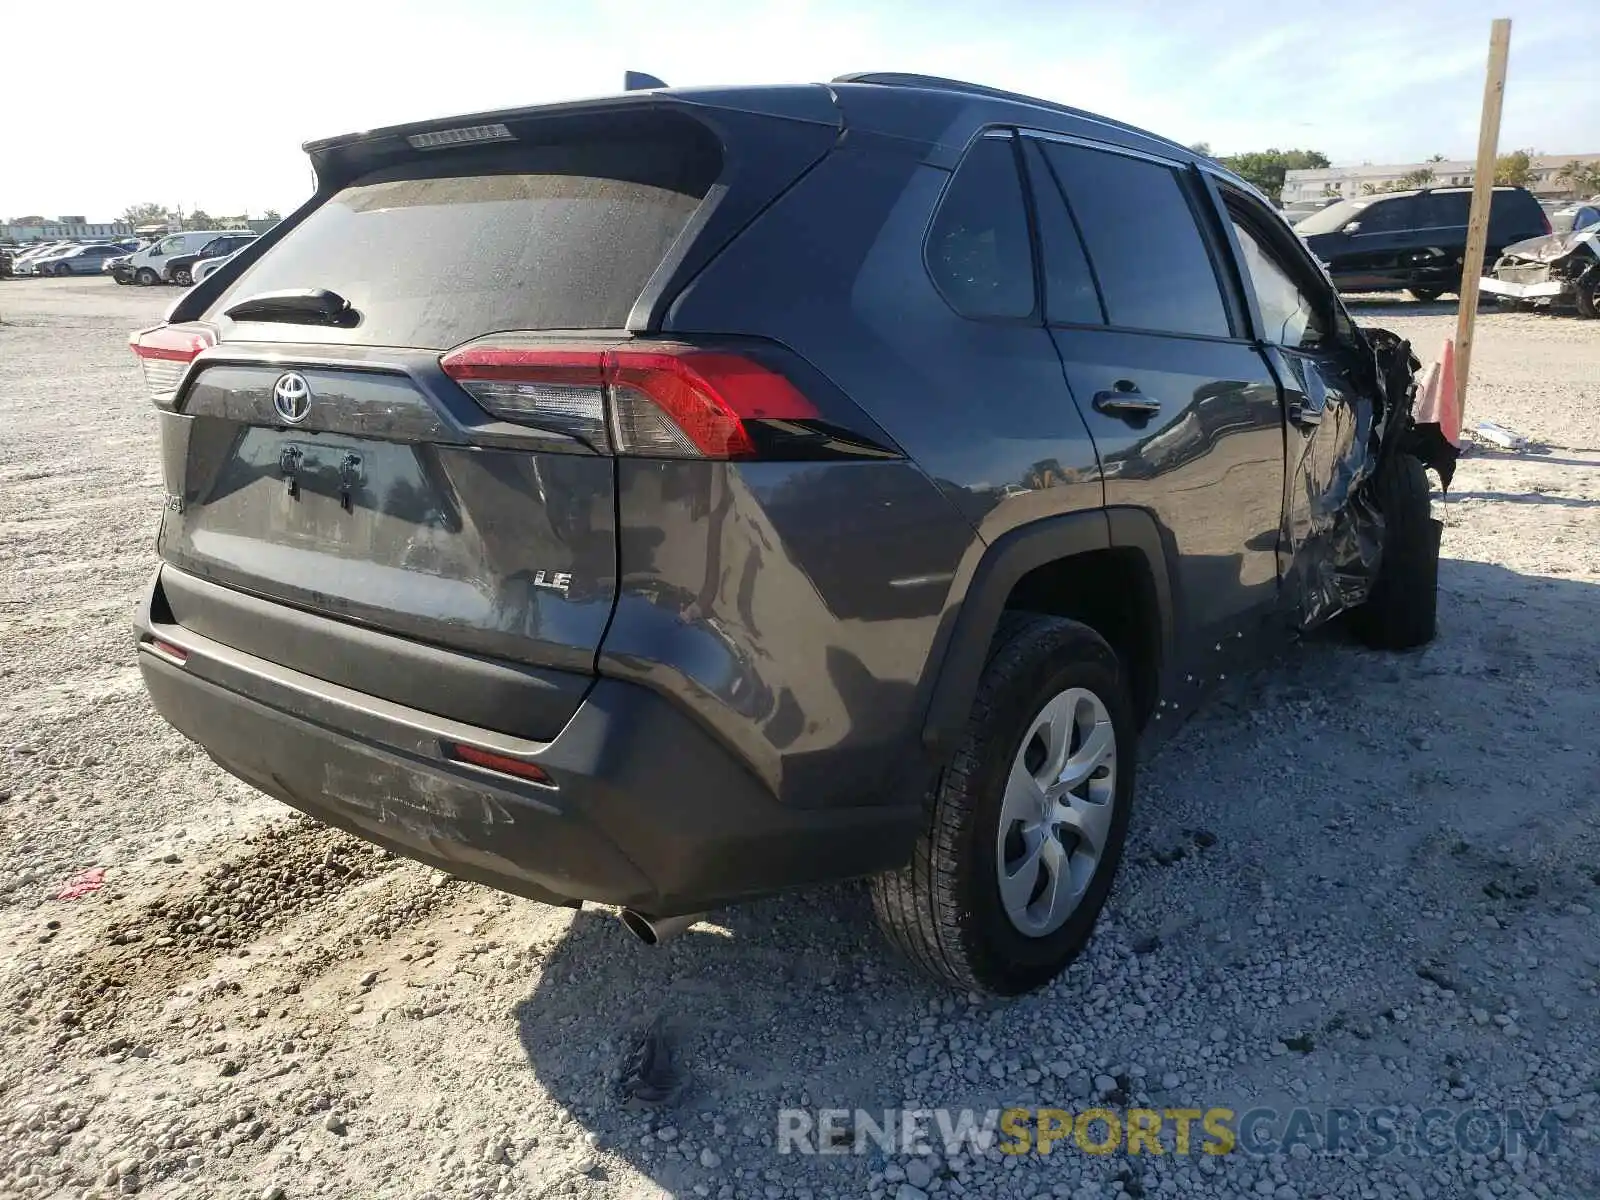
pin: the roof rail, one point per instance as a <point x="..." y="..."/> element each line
<point x="939" y="83"/>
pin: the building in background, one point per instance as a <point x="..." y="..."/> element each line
<point x="1545" y="177"/>
<point x="66" y="229"/>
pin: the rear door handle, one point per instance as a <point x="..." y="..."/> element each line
<point x="1130" y="403"/>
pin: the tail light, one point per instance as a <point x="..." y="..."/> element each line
<point x="165" y="353"/>
<point x="668" y="401"/>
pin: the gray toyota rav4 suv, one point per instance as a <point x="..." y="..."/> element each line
<point x="680" y="497"/>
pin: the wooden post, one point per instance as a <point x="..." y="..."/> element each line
<point x="1472" y="267"/>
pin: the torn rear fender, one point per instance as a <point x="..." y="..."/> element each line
<point x="1333" y="531"/>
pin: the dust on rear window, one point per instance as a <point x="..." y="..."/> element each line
<point x="432" y="262"/>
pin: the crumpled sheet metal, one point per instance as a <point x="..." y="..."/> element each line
<point x="1337" y="558"/>
<point x="1335" y="564"/>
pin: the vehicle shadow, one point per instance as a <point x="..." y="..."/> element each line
<point x="1529" y="498"/>
<point x="798" y="1002"/>
<point x="1538" y="454"/>
<point x="759" y="1007"/>
<point x="1397" y="304"/>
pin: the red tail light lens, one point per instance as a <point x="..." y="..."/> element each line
<point x="665" y="402"/>
<point x="695" y="404"/>
<point x="165" y="353"/>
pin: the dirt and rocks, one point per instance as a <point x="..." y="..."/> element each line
<point x="1359" y="881"/>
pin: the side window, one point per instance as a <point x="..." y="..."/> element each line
<point x="1585" y="218"/>
<point x="1514" y="214"/>
<point x="1288" y="316"/>
<point x="171" y="245"/>
<point x="1443" y="209"/>
<point x="978" y="250"/>
<point x="1385" y="216"/>
<point x="1070" y="295"/>
<point x="1141" y="236"/>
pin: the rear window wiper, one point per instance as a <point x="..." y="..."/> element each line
<point x="297" y="306"/>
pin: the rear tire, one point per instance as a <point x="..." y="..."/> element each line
<point x="1401" y="611"/>
<point x="945" y="911"/>
<point x="145" y="277"/>
<point x="62" y="270"/>
<point x="1425" y="295"/>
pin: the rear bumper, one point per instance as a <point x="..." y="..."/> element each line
<point x="647" y="809"/>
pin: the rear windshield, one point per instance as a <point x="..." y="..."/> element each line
<point x="435" y="253"/>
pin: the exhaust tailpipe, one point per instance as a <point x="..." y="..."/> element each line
<point x="652" y="931"/>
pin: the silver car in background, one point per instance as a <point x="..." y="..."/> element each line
<point x="207" y="265"/>
<point x="77" y="260"/>
<point x="24" y="263"/>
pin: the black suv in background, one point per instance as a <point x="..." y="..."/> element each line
<point x="1414" y="240"/>
<point x="669" y="499"/>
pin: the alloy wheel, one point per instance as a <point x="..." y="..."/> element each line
<point x="1055" y="818"/>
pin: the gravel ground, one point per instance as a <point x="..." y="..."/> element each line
<point x="1359" y="880"/>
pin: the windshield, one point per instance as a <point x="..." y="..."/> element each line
<point x="1569" y="220"/>
<point x="1332" y="218"/>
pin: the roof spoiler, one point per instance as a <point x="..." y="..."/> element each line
<point x="638" y="81"/>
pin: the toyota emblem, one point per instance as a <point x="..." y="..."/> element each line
<point x="291" y="396"/>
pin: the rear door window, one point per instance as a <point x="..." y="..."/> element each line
<point x="1386" y="216"/>
<point x="978" y="250"/>
<point x="1515" y="214"/>
<point x="1142" y="238"/>
<point x="1443" y="210"/>
<point x="436" y="252"/>
<point x="1070" y="294"/>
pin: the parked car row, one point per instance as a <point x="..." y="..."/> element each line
<point x="179" y="258"/>
<point x="66" y="258"/>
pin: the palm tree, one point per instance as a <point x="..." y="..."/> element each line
<point x="1581" y="178"/>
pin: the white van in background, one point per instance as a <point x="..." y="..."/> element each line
<point x="146" y="265"/>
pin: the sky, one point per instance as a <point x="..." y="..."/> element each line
<point x="91" y="123"/>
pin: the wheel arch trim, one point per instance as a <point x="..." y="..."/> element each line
<point x="1003" y="564"/>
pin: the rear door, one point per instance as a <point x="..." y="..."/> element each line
<point x="1441" y="239"/>
<point x="1378" y="251"/>
<point x="1182" y="408"/>
<point x="330" y="464"/>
